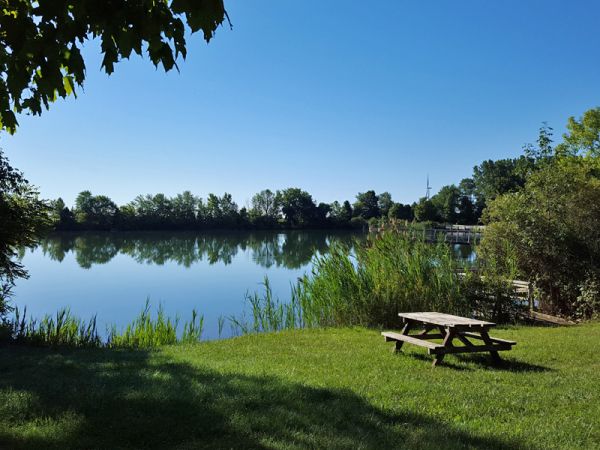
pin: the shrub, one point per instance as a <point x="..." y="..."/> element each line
<point x="551" y="229"/>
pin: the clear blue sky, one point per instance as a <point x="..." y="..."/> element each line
<point x="335" y="97"/>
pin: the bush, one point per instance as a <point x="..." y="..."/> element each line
<point x="587" y="305"/>
<point x="551" y="229"/>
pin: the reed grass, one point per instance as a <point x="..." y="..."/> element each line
<point x="54" y="330"/>
<point x="269" y="313"/>
<point x="66" y="330"/>
<point x="369" y="283"/>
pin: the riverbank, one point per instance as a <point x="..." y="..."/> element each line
<point x="335" y="388"/>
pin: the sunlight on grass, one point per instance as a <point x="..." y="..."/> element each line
<point x="335" y="388"/>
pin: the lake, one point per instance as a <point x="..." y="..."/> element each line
<point x="111" y="275"/>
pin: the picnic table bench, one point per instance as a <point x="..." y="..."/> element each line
<point x="434" y="325"/>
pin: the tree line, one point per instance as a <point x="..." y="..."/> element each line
<point x="296" y="209"/>
<point x="288" y="208"/>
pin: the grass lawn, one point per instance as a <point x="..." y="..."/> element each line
<point x="338" y="388"/>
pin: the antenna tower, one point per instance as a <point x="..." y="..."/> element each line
<point x="428" y="188"/>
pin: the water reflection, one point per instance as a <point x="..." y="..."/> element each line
<point x="290" y="250"/>
<point x="464" y="253"/>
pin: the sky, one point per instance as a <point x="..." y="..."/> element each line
<point x="335" y="97"/>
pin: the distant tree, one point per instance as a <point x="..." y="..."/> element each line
<point x="56" y="208"/>
<point x="128" y="218"/>
<point x="229" y="211"/>
<point x="321" y="214"/>
<point x="297" y="207"/>
<point x="41" y="41"/>
<point x="162" y="209"/>
<point x="214" y="214"/>
<point x="340" y="214"/>
<point x="95" y="211"/>
<point x="184" y="207"/>
<point x="467" y="213"/>
<point x="265" y="207"/>
<point x="221" y="211"/>
<point x="399" y="211"/>
<point x="347" y="211"/>
<point x="61" y="216"/>
<point x="447" y="201"/>
<point x="244" y="217"/>
<point x="140" y="212"/>
<point x="202" y="214"/>
<point x="23" y="219"/>
<point x="425" y="211"/>
<point x="467" y="187"/>
<point x="385" y="202"/>
<point x="83" y="206"/>
<point x="367" y="205"/>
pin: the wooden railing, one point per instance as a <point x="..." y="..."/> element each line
<point x="452" y="234"/>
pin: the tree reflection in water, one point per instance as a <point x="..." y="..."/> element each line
<point x="291" y="250"/>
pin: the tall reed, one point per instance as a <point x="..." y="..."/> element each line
<point x="64" y="329"/>
<point x="61" y="329"/>
<point x="269" y="313"/>
<point x="393" y="272"/>
<point x="368" y="285"/>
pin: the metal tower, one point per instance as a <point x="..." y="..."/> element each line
<point x="428" y="188"/>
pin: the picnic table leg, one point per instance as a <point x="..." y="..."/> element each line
<point x="426" y="329"/>
<point x="486" y="338"/>
<point x="405" y="330"/>
<point x="449" y="335"/>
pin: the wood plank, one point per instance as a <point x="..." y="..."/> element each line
<point x="391" y="336"/>
<point x="494" y="352"/>
<point x="430" y="336"/>
<point x="447" y="343"/>
<point x="494" y="339"/>
<point x="405" y="331"/>
<point x="445" y="320"/>
<point x="471" y="349"/>
<point x="547" y="318"/>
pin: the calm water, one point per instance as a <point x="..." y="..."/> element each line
<point x="112" y="274"/>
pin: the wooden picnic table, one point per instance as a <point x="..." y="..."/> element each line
<point x="434" y="325"/>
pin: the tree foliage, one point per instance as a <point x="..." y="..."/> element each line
<point x="367" y="205"/>
<point x="23" y="216"/>
<point x="551" y="230"/>
<point x="399" y="211"/>
<point x="265" y="207"/>
<point x="287" y="208"/>
<point x="425" y="211"/>
<point x="583" y="135"/>
<point x="297" y="207"/>
<point x="41" y="42"/>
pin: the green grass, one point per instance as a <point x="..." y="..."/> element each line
<point x="317" y="388"/>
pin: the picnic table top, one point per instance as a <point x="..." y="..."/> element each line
<point x="445" y="320"/>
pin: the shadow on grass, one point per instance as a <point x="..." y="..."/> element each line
<point x="132" y="399"/>
<point x="506" y="363"/>
<point x="483" y="361"/>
